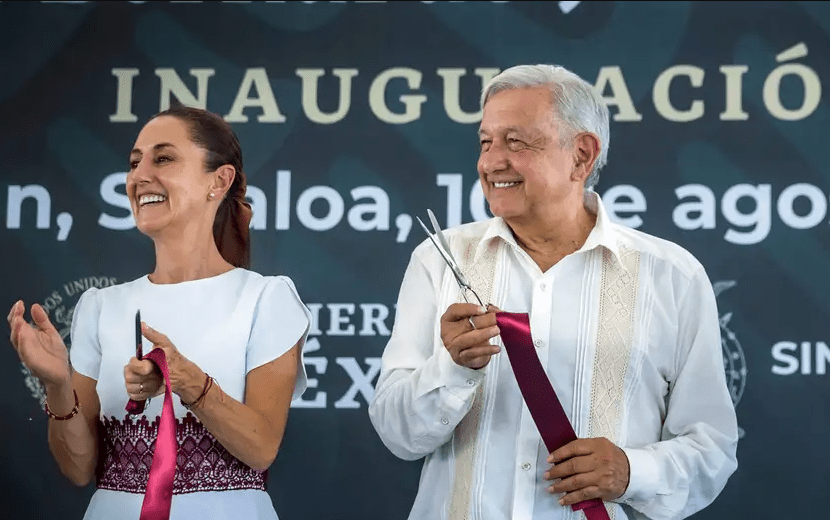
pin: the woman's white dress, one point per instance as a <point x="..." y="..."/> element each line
<point x="228" y="325"/>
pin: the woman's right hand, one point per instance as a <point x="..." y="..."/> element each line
<point x="142" y="379"/>
<point x="40" y="346"/>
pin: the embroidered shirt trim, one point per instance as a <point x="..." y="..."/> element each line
<point x="202" y="463"/>
<point x="615" y="333"/>
<point x="480" y="268"/>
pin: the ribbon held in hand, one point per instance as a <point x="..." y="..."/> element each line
<point x="158" y="496"/>
<point x="538" y="393"/>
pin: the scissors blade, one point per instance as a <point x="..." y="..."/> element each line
<point x="421" y="222"/>
<point x="439" y="233"/>
<point x="438" y="246"/>
<point x="446" y="245"/>
<point x="138" y="339"/>
<point x="445" y="254"/>
<point x="435" y="242"/>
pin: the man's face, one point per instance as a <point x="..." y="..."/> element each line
<point x="524" y="171"/>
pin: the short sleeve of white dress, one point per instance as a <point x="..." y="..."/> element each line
<point x="85" y="349"/>
<point x="280" y="321"/>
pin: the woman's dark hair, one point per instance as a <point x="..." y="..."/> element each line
<point x="214" y="135"/>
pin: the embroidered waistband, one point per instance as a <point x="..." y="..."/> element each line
<point x="202" y="464"/>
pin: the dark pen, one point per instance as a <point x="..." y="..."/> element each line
<point x="136" y="407"/>
<point x="138" y="338"/>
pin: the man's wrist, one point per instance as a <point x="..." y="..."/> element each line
<point x="643" y="475"/>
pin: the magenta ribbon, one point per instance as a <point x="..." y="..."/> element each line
<point x="158" y="496"/>
<point x="538" y="393"/>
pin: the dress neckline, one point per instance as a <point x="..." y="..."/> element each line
<point x="146" y="279"/>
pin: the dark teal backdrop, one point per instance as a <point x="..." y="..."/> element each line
<point x="354" y="118"/>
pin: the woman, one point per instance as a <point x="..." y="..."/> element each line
<point x="232" y="338"/>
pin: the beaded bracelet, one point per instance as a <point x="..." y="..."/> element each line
<point x="71" y="414"/>
<point x="208" y="384"/>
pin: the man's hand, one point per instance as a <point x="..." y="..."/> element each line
<point x="588" y="468"/>
<point x="466" y="330"/>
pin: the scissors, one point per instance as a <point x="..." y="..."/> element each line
<point x="444" y="248"/>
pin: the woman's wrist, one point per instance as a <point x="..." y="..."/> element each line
<point x="60" y="398"/>
<point x="194" y="404"/>
<point x="195" y="383"/>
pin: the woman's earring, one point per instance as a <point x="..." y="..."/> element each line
<point x="211" y="195"/>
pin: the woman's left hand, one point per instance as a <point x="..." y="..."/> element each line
<point x="186" y="379"/>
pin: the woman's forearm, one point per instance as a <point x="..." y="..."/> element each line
<point x="72" y="441"/>
<point x="243" y="431"/>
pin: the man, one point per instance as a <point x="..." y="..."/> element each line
<point x="624" y="324"/>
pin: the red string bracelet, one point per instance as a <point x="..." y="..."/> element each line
<point x="71" y="414"/>
<point x="208" y="384"/>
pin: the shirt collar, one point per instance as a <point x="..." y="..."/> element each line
<point x="603" y="233"/>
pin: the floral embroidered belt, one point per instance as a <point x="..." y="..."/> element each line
<point x="202" y="464"/>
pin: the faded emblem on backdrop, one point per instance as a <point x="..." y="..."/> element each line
<point x="734" y="360"/>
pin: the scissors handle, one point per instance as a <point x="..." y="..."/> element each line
<point x="468" y="288"/>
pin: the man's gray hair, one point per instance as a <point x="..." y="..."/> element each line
<point x="577" y="106"/>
